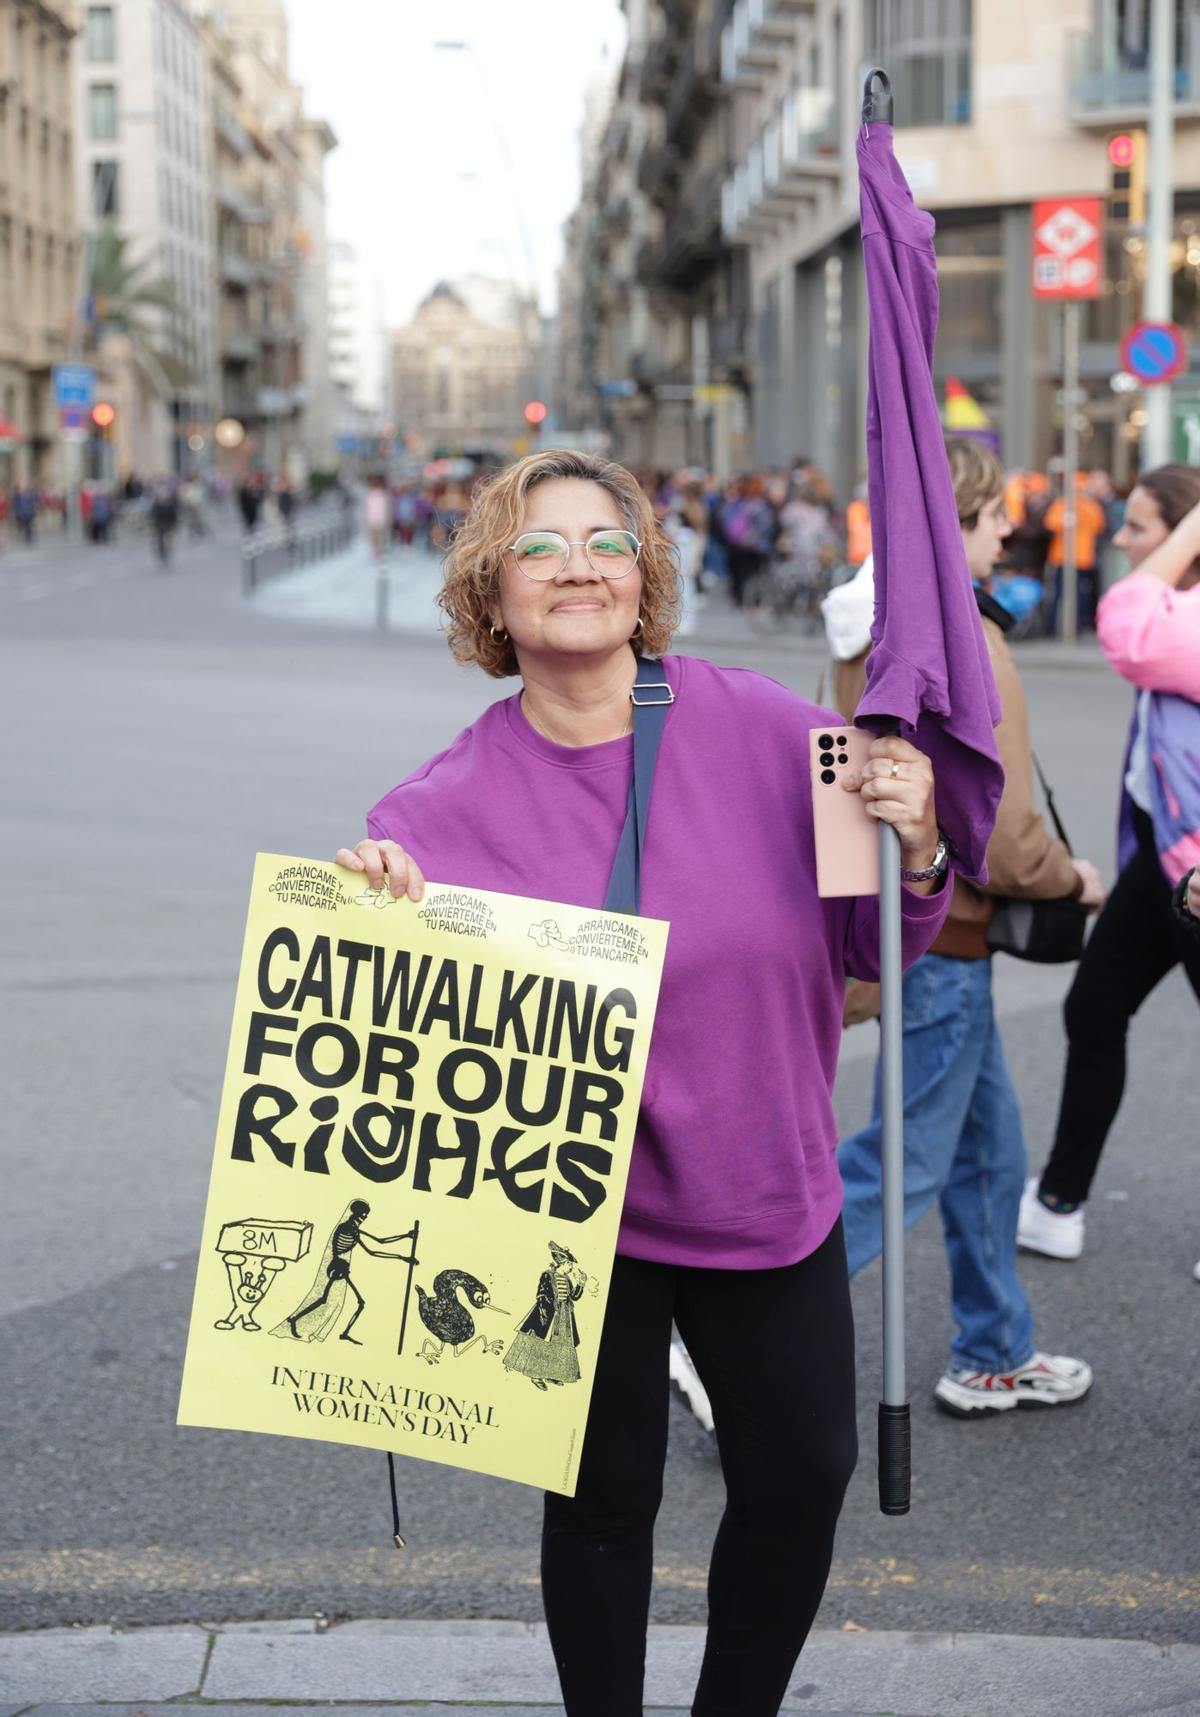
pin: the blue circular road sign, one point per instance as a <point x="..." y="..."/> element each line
<point x="1154" y="352"/>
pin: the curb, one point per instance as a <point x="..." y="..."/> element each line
<point x="386" y="1665"/>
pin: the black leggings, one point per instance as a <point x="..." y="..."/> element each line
<point x="775" y="1350"/>
<point x="1136" y="942"/>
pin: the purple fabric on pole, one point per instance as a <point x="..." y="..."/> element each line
<point x="928" y="669"/>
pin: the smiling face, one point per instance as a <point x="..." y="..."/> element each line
<point x="578" y="613"/>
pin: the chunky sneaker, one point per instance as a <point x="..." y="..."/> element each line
<point x="685" y="1376"/>
<point x="1046" y="1380"/>
<point x="1051" y="1232"/>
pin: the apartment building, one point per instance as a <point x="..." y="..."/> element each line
<point x="39" y="237"/>
<point x="145" y="169"/>
<point x="465" y="367"/>
<point x="996" y="107"/>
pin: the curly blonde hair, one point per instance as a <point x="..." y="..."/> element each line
<point x="471" y="568"/>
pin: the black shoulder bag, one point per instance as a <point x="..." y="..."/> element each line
<point x="1050" y="932"/>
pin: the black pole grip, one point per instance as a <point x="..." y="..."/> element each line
<point x="895" y="1459"/>
<point x="877" y="102"/>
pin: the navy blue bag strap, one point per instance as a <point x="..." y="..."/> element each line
<point x="652" y="697"/>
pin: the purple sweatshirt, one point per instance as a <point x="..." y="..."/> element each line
<point x="733" y="1165"/>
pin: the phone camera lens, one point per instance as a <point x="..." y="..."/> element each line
<point x="842" y="758"/>
<point x="826" y="742"/>
<point x="828" y="776"/>
<point x="841" y="739"/>
<point x="827" y="760"/>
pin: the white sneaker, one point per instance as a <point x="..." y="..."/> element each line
<point x="1196" y="1271"/>
<point x="1047" y="1380"/>
<point x="1056" y="1234"/>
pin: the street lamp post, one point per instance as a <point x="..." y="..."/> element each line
<point x="1156" y="303"/>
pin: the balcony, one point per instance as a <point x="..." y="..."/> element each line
<point x="757" y="39"/>
<point x="236" y="270"/>
<point x="276" y="402"/>
<point x="785" y="169"/>
<point x="284" y="332"/>
<point x="231" y="133"/>
<point x="658" y="171"/>
<point x="1105" y="87"/>
<point x="657" y="66"/>
<point x="692" y="242"/>
<point x="239" y="347"/>
<point x="692" y="96"/>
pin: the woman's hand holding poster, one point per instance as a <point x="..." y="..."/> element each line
<point x="424" y="1136"/>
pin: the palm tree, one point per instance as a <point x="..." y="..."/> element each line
<point x="123" y="297"/>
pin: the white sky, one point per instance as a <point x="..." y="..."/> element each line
<point x="413" y="120"/>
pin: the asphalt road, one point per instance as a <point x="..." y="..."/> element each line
<point x="158" y="733"/>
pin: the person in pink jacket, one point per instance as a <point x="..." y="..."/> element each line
<point x="1149" y="628"/>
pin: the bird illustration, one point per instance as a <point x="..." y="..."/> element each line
<point x="446" y="1318"/>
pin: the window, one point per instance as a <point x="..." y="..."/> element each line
<point x="101" y="35"/>
<point x="926" y="46"/>
<point x="102" y="112"/>
<point x="105" y="188"/>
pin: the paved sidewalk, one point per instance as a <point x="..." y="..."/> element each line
<point x="392" y="1667"/>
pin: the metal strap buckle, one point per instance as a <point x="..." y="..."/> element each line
<point x="653" y="702"/>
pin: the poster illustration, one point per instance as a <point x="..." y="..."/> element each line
<point x="421" y="1155"/>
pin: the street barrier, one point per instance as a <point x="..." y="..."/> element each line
<point x="269" y="550"/>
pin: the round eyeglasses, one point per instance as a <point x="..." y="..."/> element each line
<point x="542" y="555"/>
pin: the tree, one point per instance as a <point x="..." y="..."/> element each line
<point x="124" y="297"/>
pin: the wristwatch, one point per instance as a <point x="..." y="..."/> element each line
<point x="941" y="858"/>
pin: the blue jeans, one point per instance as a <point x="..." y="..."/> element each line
<point x="964" y="1146"/>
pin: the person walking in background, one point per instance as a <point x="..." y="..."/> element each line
<point x="378" y="514"/>
<point x="750" y="526"/>
<point x="963" y="1143"/>
<point x="25" y="511"/>
<point x="1090" y="525"/>
<point x="858" y="526"/>
<point x="1149" y="628"/>
<point x="249" y="500"/>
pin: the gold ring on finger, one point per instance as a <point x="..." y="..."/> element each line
<point x="895" y="769"/>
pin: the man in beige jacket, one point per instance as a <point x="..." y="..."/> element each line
<point x="963" y="1142"/>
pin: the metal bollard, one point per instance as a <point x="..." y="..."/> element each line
<point x="382" y="593"/>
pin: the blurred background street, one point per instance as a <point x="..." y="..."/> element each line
<point x="168" y="730"/>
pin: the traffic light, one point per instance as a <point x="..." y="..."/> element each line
<point x="535" y="412"/>
<point x="1127" y="178"/>
<point x="104" y="416"/>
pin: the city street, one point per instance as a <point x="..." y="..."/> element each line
<point x="164" y="730"/>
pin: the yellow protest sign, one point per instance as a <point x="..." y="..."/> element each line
<point x="421" y="1156"/>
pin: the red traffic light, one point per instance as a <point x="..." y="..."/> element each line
<point x="535" y="412"/>
<point x="1122" y="149"/>
<point x="103" y="414"/>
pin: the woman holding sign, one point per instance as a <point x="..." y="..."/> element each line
<point x="731" y="1227"/>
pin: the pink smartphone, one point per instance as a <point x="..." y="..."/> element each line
<point x="847" y="839"/>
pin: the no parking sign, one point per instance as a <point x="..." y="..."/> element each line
<point x="1154" y="352"/>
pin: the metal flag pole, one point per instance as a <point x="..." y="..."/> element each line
<point x="413" y="1234"/>
<point x="894" y="1428"/>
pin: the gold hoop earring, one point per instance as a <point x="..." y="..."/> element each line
<point x="498" y="634"/>
<point x="637" y="631"/>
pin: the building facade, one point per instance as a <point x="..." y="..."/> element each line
<point x="273" y="260"/>
<point x="713" y="271"/>
<point x="145" y="169"/>
<point x="996" y="107"/>
<point x="466" y="366"/>
<point x="39" y="235"/>
<point x="357" y="353"/>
